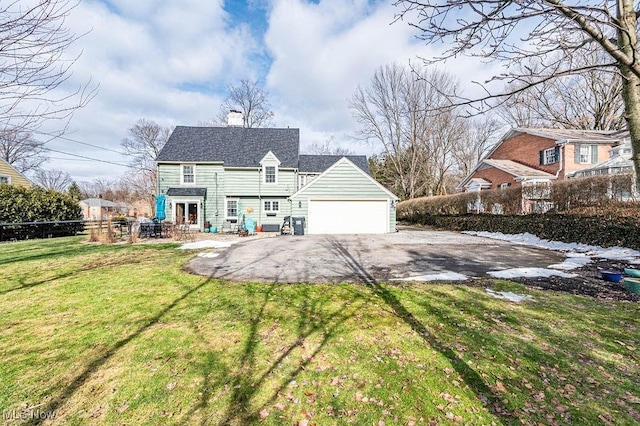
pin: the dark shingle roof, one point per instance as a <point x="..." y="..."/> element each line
<point x="181" y="192"/>
<point x="234" y="146"/>
<point x="320" y="163"/>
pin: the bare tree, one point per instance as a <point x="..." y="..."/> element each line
<point x="56" y="180"/>
<point x="480" y="135"/>
<point x="591" y="100"/>
<point x="328" y="147"/>
<point x="146" y="139"/>
<point x="248" y="98"/>
<point x="33" y="66"/>
<point x="413" y="124"/>
<point x="21" y="150"/>
<point x="514" y="32"/>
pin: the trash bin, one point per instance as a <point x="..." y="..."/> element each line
<point x="298" y="225"/>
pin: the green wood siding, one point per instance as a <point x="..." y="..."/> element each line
<point x="242" y="183"/>
<point x="210" y="176"/>
<point x="346" y="182"/>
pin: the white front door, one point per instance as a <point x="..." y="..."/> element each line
<point x="348" y="217"/>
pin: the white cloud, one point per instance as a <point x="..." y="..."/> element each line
<point x="171" y="61"/>
<point x="321" y="52"/>
<point x="161" y="60"/>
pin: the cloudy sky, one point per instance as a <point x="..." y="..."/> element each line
<point x="171" y="61"/>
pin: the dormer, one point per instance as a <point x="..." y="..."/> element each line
<point x="270" y="165"/>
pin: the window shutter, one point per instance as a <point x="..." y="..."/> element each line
<point x="576" y="156"/>
<point x="594" y="154"/>
<point x="542" y="157"/>
<point x="556" y="153"/>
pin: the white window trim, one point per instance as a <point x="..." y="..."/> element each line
<point x="181" y="200"/>
<point x="588" y="149"/>
<point x="226" y="208"/>
<point x="182" y="182"/>
<point x="264" y="173"/>
<point x="271" y="210"/>
<point x="504" y="185"/>
<point x="549" y="153"/>
<point x="8" y="178"/>
<point x="302" y="181"/>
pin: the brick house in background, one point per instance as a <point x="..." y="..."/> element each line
<point x="532" y="156"/>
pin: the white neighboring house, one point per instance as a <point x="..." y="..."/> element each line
<point x="100" y="209"/>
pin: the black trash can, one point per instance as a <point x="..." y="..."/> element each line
<point x="298" y="225"/>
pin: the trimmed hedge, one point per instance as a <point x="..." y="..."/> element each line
<point x="18" y="205"/>
<point x="596" y="230"/>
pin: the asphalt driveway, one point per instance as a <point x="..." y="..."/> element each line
<point x="367" y="258"/>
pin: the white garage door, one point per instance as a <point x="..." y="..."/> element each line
<point x="348" y="217"/>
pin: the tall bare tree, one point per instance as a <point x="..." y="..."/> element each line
<point x="21" y="150"/>
<point x="53" y="179"/>
<point x="480" y="135"/>
<point x="552" y="31"/>
<point x="146" y="139"/>
<point x="33" y="66"/>
<point x="591" y="100"/>
<point x="401" y="112"/>
<point x="250" y="99"/>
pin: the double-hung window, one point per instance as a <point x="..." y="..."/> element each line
<point x="549" y="156"/>
<point x="270" y="174"/>
<point x="5" y="179"/>
<point x="188" y="173"/>
<point x="231" y="209"/>
<point x="271" y="206"/>
<point x="586" y="154"/>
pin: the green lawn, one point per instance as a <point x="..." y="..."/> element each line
<point x="121" y="335"/>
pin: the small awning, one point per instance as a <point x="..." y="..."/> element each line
<point x="187" y="192"/>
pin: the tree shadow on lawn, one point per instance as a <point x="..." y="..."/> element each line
<point x="471" y="377"/>
<point x="249" y="380"/>
<point x="98" y="362"/>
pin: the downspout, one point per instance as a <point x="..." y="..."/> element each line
<point x="259" y="198"/>
<point x="561" y="159"/>
<point x="215" y="179"/>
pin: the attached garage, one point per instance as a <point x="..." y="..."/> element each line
<point x="345" y="200"/>
<point x="348" y="216"/>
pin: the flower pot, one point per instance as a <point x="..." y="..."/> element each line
<point x="611" y="276"/>
<point x="632" y="285"/>
<point x="632" y="272"/>
<point x="259" y="228"/>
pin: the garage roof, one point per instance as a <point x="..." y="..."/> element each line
<point x="320" y="163"/>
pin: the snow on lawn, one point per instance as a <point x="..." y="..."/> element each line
<point x="577" y="252"/>
<point x="204" y="244"/>
<point x="208" y="255"/>
<point x="443" y="276"/>
<point x="529" y="273"/>
<point x="508" y="295"/>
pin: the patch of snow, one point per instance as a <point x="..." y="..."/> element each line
<point x="443" y="276"/>
<point x="613" y="253"/>
<point x="573" y="261"/>
<point x="208" y="255"/>
<point x="529" y="273"/>
<point x="508" y="295"/>
<point x="206" y="244"/>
